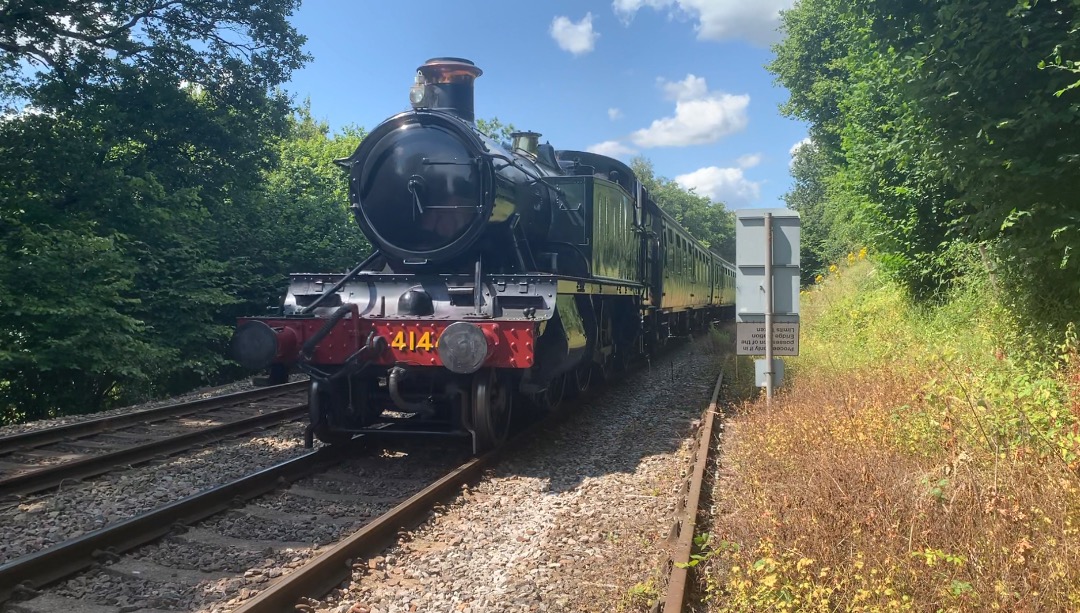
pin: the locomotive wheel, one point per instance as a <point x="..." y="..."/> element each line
<point x="581" y="378"/>
<point x="610" y="369"/>
<point x="550" y="399"/>
<point x="320" y="425"/>
<point x="491" y="406"/>
<point x="279" y="374"/>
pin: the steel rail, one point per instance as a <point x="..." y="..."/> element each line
<point x="680" y="561"/>
<point x="51" y="476"/>
<point x="36" y="570"/>
<point x="67" y="432"/>
<point x="330" y="568"/>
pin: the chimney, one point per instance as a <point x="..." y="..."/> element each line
<point x="446" y="84"/>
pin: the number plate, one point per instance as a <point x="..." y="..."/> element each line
<point x="414" y="340"/>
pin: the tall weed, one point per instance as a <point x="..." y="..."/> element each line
<point x="922" y="458"/>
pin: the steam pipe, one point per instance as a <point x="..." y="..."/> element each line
<point x="340" y="284"/>
<point x="397" y="375"/>
<point x="356" y="362"/>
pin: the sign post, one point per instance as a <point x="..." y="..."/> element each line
<point x="767" y="289"/>
<point x="769" y="366"/>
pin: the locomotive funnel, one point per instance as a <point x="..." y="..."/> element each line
<point x="446" y="84"/>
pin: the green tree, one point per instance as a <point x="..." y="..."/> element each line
<point x="992" y="86"/>
<point x="944" y="128"/>
<point x="123" y="194"/>
<point x="878" y="190"/>
<point x="824" y="240"/>
<point x="238" y="49"/>
<point x="496" y="129"/>
<point x="299" y="220"/>
<point x="709" y="222"/>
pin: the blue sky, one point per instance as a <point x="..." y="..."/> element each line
<point x="681" y="82"/>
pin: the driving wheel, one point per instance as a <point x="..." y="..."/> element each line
<point x="491" y="405"/>
<point x="581" y="378"/>
<point x="550" y="399"/>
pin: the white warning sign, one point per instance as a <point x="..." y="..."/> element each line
<point x="750" y="338"/>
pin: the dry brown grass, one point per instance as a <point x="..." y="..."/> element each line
<point x="877" y="489"/>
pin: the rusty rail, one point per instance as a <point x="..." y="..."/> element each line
<point x="47" y="566"/>
<point x="52" y="476"/>
<point x="67" y="432"/>
<point x="680" y="569"/>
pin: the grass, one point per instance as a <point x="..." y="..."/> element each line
<point x="642" y="596"/>
<point x="918" y="459"/>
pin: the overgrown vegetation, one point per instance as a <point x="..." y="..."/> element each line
<point x="925" y="454"/>
<point x="154" y="183"/>
<point x="939" y="127"/>
<point x="923" y="458"/>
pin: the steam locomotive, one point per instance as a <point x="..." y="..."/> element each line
<point x="504" y="276"/>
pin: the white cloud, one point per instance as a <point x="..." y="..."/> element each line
<point x="749" y="160"/>
<point x="754" y="20"/>
<point x="701" y="116"/>
<point x="627" y="8"/>
<point x="727" y="185"/>
<point x="614" y="113"/>
<point x="612" y="148"/>
<point x="577" y="38"/>
<point x="690" y="88"/>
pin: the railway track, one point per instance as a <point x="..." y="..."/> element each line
<point x="686" y="517"/>
<point x="330" y="491"/>
<point x="269" y="540"/>
<point x="321" y="574"/>
<point x="333" y="566"/>
<point x="38" y="460"/>
<point x="382" y="491"/>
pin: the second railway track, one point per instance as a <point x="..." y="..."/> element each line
<point x="358" y="499"/>
<point x="212" y="544"/>
<point x="37" y="460"/>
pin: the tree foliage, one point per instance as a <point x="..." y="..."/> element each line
<point x="496" y="129"/>
<point x="131" y="185"/>
<point x="940" y="126"/>
<point x="239" y="49"/>
<point x="299" y="220"/>
<point x="824" y="239"/>
<point x="709" y="222"/>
